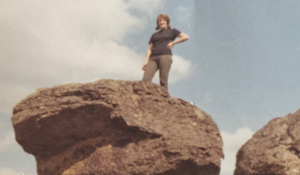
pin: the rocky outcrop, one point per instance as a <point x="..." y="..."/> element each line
<point x="116" y="128"/>
<point x="273" y="150"/>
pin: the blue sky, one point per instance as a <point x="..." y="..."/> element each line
<point x="248" y="54"/>
<point x="240" y="64"/>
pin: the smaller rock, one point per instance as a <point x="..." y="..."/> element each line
<point x="273" y="150"/>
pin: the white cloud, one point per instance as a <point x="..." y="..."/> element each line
<point x="8" y="171"/>
<point x="232" y="143"/>
<point x="1" y="126"/>
<point x="7" y="142"/>
<point x="180" y="69"/>
<point x="150" y="6"/>
<point x="51" y="42"/>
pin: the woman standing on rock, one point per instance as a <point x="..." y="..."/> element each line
<point x="159" y="54"/>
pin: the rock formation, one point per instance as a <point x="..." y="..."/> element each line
<point x="273" y="150"/>
<point x="116" y="128"/>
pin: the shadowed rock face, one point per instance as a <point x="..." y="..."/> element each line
<point x="116" y="128"/>
<point x="273" y="150"/>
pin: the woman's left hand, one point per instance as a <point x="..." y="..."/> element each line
<point x="170" y="45"/>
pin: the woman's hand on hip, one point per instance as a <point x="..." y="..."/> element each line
<point x="170" y="45"/>
<point x="144" y="66"/>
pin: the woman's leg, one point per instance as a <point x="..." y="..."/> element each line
<point x="165" y="62"/>
<point x="151" y="68"/>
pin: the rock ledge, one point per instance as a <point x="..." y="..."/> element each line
<point x="113" y="127"/>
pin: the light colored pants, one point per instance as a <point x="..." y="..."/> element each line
<point x="161" y="62"/>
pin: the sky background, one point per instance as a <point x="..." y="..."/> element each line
<point x="240" y="65"/>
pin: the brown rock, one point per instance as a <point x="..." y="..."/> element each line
<point x="116" y="128"/>
<point x="273" y="150"/>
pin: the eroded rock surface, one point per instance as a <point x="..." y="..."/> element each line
<point x="116" y="128"/>
<point x="273" y="150"/>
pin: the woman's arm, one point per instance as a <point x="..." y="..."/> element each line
<point x="182" y="37"/>
<point x="147" y="57"/>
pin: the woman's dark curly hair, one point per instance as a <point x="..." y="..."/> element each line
<point x="165" y="17"/>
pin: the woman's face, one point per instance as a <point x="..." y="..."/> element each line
<point x="162" y="23"/>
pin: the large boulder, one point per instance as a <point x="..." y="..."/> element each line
<point x="273" y="150"/>
<point x="116" y="128"/>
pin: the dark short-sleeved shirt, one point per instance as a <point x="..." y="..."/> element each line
<point x="161" y="39"/>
